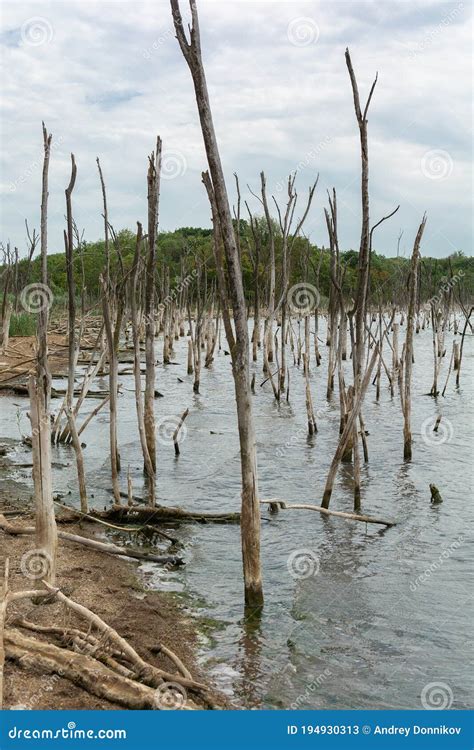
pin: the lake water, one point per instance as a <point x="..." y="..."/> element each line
<point x="385" y="614"/>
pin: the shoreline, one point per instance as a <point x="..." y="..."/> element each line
<point x="112" y="588"/>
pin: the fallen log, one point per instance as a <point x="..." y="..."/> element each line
<point x="78" y="515"/>
<point x="85" y="643"/>
<point x="276" y="505"/>
<point x="80" y="669"/>
<point x="56" y="392"/>
<point x="163" y="514"/>
<point x="149" y="674"/>
<point x="111" y="549"/>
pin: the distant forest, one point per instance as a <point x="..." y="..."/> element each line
<point x="187" y="249"/>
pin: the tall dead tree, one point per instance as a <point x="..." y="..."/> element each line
<point x="134" y="297"/>
<point x="360" y="310"/>
<point x="40" y="394"/>
<point x="73" y="347"/>
<point x="408" y="364"/>
<point x="288" y="239"/>
<point x="106" y="223"/>
<point x="153" y="180"/>
<point x="250" y="513"/>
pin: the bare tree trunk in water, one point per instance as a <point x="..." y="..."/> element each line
<point x="113" y="381"/>
<point x="72" y="346"/>
<point x="141" y="420"/>
<point x="412" y="287"/>
<point x="250" y="514"/>
<point x="154" y="167"/>
<point x="40" y="393"/>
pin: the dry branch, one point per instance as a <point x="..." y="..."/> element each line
<point x="277" y="504"/>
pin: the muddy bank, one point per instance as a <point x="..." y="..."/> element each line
<point x="110" y="587"/>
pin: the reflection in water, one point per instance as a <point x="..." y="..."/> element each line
<point x="388" y="611"/>
<point x="249" y="657"/>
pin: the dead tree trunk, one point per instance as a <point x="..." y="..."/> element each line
<point x="154" y="167"/>
<point x="250" y="517"/>
<point x="348" y="430"/>
<point x="40" y="394"/>
<point x="141" y="420"/>
<point x="72" y="347"/>
<point x="458" y="375"/>
<point x="113" y="382"/>
<point x="408" y="364"/>
<point x="364" y="250"/>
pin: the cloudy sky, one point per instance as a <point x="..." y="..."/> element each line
<point x="108" y="76"/>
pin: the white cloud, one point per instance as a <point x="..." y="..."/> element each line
<point x="110" y="76"/>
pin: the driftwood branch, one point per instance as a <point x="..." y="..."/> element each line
<point x="281" y="504"/>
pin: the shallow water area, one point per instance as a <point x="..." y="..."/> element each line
<point x="355" y="616"/>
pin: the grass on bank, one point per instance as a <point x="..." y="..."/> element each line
<point x="22" y="324"/>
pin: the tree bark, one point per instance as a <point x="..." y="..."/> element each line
<point x="250" y="516"/>
<point x="412" y="288"/>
